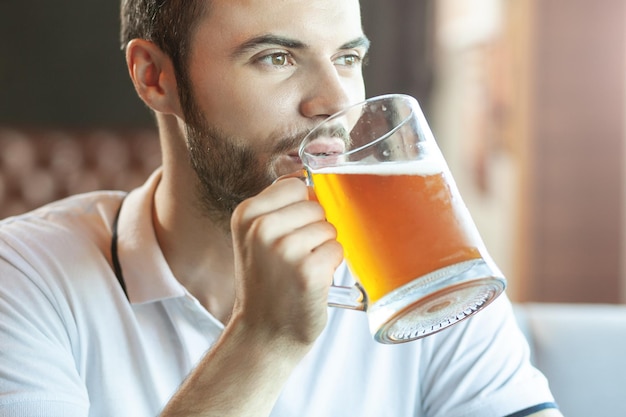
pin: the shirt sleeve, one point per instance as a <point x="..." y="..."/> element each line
<point x="481" y="368"/>
<point x="38" y="375"/>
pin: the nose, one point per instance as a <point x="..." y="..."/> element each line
<point x="326" y="94"/>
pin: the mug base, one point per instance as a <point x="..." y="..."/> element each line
<point x="435" y="302"/>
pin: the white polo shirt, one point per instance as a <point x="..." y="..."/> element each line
<point x="72" y="344"/>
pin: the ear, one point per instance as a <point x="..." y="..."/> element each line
<point x="152" y="73"/>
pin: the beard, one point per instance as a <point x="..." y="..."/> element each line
<point x="228" y="169"/>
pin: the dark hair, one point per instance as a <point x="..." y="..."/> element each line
<point x="169" y="24"/>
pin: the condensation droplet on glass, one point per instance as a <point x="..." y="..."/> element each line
<point x="386" y="153"/>
<point x="384" y="108"/>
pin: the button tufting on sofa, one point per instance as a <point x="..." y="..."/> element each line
<point x="38" y="166"/>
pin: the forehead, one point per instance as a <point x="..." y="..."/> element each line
<point x="316" y="22"/>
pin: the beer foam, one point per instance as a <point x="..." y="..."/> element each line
<point x="418" y="167"/>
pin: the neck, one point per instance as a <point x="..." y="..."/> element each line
<point x="197" y="248"/>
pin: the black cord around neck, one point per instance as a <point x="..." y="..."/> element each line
<point x="117" y="267"/>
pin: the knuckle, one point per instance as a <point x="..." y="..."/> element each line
<point x="240" y="214"/>
<point x="263" y="226"/>
<point x="284" y="244"/>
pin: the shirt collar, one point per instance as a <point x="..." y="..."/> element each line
<point x="146" y="273"/>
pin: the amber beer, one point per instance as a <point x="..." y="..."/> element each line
<point x="396" y="221"/>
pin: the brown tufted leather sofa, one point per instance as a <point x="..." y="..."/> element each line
<point x="42" y="165"/>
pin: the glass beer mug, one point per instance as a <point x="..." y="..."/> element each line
<point x="408" y="238"/>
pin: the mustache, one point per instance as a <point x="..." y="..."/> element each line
<point x="290" y="142"/>
<point x="295" y="140"/>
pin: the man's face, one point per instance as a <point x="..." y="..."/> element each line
<point x="262" y="73"/>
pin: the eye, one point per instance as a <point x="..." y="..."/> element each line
<point x="349" y="60"/>
<point x="277" y="59"/>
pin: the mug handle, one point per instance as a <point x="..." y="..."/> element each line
<point x="352" y="298"/>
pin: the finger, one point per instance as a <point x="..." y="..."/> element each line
<point x="322" y="262"/>
<point x="279" y="223"/>
<point x="301" y="175"/>
<point x="274" y="197"/>
<point x="303" y="241"/>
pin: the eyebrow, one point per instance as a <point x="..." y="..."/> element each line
<point x="251" y="44"/>
<point x="360" y="42"/>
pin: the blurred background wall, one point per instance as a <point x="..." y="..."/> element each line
<point x="529" y="106"/>
<point x="526" y="98"/>
<point x="61" y="65"/>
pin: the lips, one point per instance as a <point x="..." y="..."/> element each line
<point x="323" y="145"/>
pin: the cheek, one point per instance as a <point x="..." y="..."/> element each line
<point x="253" y="112"/>
<point x="356" y="89"/>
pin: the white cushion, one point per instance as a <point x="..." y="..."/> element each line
<point x="581" y="348"/>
